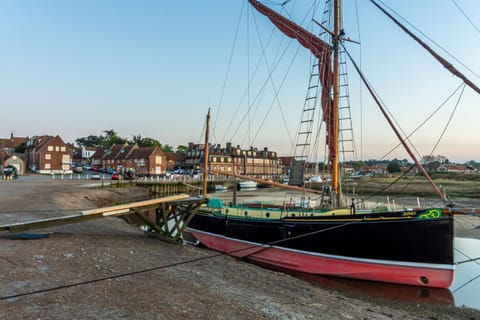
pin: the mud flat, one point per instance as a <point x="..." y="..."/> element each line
<point x="108" y="269"/>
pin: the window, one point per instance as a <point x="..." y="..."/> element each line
<point x="48" y="156"/>
<point x="158" y="159"/>
<point x="50" y="148"/>
<point x="63" y="149"/>
<point x="141" y="162"/>
<point x="57" y="148"/>
<point x="47" y="165"/>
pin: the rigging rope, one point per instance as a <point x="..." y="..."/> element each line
<point x="465" y="15"/>
<point x="220" y="102"/>
<point x="449" y="119"/>
<point x="425" y="121"/>
<point x="440" y="59"/>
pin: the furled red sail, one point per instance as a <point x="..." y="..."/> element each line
<point x="319" y="49"/>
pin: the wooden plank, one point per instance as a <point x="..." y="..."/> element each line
<point x="137" y="204"/>
<point x="110" y="211"/>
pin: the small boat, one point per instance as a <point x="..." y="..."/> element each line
<point x="408" y="246"/>
<point x="247" y="185"/>
<point x="220" y="188"/>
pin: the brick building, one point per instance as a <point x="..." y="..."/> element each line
<point x="48" y="154"/>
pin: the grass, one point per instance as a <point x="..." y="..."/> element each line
<point x="454" y="185"/>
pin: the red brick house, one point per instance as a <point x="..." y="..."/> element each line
<point x="115" y="157"/>
<point x="124" y="157"/>
<point x="175" y="160"/>
<point x="146" y="161"/>
<point x="48" y="154"/>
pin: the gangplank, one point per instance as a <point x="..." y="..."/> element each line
<point x="171" y="214"/>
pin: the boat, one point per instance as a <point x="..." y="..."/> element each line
<point x="247" y="185"/>
<point x="220" y="188"/>
<point x="412" y="246"/>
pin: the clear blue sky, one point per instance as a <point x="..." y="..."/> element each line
<point x="76" y="68"/>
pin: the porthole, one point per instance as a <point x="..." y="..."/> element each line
<point x="423" y="280"/>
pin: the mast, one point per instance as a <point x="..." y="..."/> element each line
<point x="334" y="112"/>
<point x="205" y="156"/>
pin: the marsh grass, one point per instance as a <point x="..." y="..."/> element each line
<point x="455" y="185"/>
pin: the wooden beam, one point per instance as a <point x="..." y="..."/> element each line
<point x="137" y="204"/>
<point x="111" y="211"/>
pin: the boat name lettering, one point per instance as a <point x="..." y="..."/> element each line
<point x="408" y="213"/>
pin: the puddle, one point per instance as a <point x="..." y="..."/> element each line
<point x="466" y="287"/>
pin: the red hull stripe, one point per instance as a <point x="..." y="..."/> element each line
<point x="418" y="274"/>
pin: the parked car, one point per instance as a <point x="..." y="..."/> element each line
<point x="130" y="175"/>
<point x="116" y="176"/>
<point x="10" y="172"/>
<point x="95" y="176"/>
<point x="78" y="169"/>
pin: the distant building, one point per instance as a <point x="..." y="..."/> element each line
<point x="48" y="154"/>
<point x="459" y="168"/>
<point x="7" y="149"/>
<point x="124" y="157"/>
<point x="147" y="161"/>
<point x="175" y="160"/>
<point x="83" y="155"/>
<point x="263" y="164"/>
<point x="16" y="160"/>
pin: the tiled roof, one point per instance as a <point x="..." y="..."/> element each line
<point x="175" y="156"/>
<point x="141" y="153"/>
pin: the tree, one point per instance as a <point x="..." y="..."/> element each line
<point x="112" y="138"/>
<point x="145" y="142"/>
<point x="393" y="166"/>
<point x="166" y="148"/>
<point x="181" y="148"/>
<point x="357" y="165"/>
<point x="21" y="148"/>
<point x="91" y="141"/>
<point x="472" y="164"/>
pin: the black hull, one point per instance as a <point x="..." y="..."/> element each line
<point x="390" y="238"/>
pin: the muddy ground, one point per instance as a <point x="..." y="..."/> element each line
<point x="108" y="269"/>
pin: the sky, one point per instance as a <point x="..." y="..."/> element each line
<point x="154" y="68"/>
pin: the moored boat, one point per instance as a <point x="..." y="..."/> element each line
<point x="243" y="185"/>
<point x="410" y="246"/>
